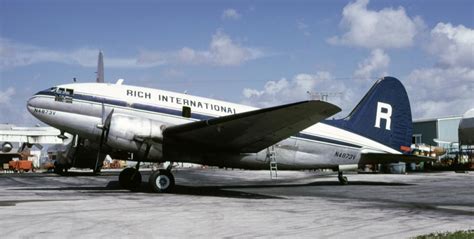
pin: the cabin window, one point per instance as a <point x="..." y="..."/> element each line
<point x="186" y="112"/>
<point x="63" y="95"/>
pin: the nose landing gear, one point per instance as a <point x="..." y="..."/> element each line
<point x="342" y="178"/>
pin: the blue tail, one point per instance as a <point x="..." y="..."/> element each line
<point x="384" y="115"/>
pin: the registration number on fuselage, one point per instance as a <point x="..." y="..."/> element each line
<point x="45" y="111"/>
<point x="345" y="155"/>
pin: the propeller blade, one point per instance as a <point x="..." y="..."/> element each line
<point x="107" y="125"/>
<point x="103" y="113"/>
<point x="104" y="135"/>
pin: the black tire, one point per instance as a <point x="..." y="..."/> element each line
<point x="161" y="181"/>
<point x="343" y="180"/>
<point x="130" y="178"/>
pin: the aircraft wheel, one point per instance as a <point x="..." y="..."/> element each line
<point x="161" y="181"/>
<point x="130" y="178"/>
<point x="342" y="179"/>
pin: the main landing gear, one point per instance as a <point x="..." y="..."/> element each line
<point x="130" y="178"/>
<point x="342" y="178"/>
<point x="161" y="181"/>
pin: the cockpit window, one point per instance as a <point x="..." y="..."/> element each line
<point x="63" y="94"/>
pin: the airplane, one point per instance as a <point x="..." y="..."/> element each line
<point x="163" y="126"/>
<point x="27" y="135"/>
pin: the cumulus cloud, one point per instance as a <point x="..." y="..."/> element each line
<point x="223" y="51"/>
<point x="230" y="13"/>
<point x="387" y="28"/>
<point x="13" y="54"/>
<point x="454" y="46"/>
<point x="373" y="66"/>
<point x="446" y="88"/>
<point x="296" y="89"/>
<point x="437" y="92"/>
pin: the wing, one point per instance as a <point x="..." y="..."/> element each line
<point x="251" y="131"/>
<point x="381" y="158"/>
<point x="31" y="135"/>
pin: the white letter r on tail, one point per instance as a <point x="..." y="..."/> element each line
<point x="381" y="107"/>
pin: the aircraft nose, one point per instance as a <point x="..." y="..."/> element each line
<point x="31" y="103"/>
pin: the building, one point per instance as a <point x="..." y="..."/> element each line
<point x="442" y="132"/>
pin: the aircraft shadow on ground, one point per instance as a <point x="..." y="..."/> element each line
<point x="228" y="191"/>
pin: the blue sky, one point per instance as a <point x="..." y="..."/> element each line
<point x="254" y="52"/>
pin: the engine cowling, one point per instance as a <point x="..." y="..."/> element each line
<point x="128" y="132"/>
<point x="7" y="147"/>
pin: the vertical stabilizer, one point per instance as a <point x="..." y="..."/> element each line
<point x="384" y="115"/>
<point x="100" y="68"/>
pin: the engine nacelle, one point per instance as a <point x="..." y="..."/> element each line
<point x="127" y="132"/>
<point x="7" y="147"/>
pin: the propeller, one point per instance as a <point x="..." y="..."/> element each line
<point x="105" y="133"/>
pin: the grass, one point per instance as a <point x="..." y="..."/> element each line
<point x="448" y="235"/>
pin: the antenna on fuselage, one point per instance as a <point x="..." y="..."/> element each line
<point x="100" y="68"/>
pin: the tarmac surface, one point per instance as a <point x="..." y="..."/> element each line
<point x="216" y="203"/>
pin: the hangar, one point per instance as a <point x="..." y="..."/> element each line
<point x="441" y="132"/>
<point x="440" y="137"/>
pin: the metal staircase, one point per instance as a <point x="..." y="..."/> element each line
<point x="271" y="157"/>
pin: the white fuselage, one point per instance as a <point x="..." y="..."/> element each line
<point x="82" y="108"/>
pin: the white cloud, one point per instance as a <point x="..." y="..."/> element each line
<point x="230" y="13"/>
<point x="373" y="66"/>
<point x="286" y="91"/>
<point x="13" y="54"/>
<point x="437" y="92"/>
<point x="445" y="89"/>
<point x="454" y="46"/>
<point x="6" y="96"/>
<point x="223" y="51"/>
<point x="387" y="28"/>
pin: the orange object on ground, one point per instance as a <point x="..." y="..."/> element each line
<point x="21" y="165"/>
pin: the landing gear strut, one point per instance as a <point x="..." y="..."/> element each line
<point x="131" y="178"/>
<point x="342" y="178"/>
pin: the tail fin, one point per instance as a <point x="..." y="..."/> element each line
<point x="100" y="68"/>
<point x="384" y="115"/>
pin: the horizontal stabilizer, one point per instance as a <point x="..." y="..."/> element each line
<point x="252" y="131"/>
<point x="381" y="158"/>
